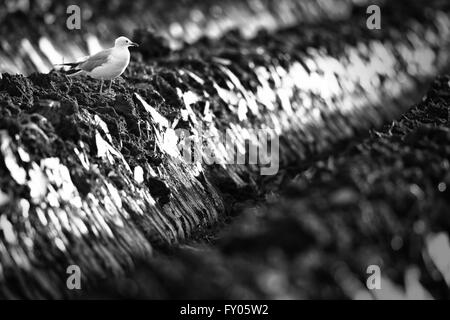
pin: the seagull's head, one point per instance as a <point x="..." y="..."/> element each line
<point x="124" y="42"/>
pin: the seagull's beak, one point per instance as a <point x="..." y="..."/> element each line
<point x="134" y="44"/>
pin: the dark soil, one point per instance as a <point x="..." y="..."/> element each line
<point x="381" y="202"/>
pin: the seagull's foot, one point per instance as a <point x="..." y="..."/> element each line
<point x="109" y="93"/>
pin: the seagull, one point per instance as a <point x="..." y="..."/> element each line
<point x="107" y="64"/>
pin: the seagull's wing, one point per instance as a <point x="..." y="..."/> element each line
<point x="96" y="60"/>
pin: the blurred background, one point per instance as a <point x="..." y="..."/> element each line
<point x="35" y="33"/>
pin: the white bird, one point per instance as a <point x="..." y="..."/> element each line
<point x="107" y="64"/>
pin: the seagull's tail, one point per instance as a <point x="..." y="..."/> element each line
<point x="72" y="71"/>
<point x="70" y="64"/>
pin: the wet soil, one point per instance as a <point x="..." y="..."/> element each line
<point x="383" y="201"/>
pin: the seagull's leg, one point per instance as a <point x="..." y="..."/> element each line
<point x="101" y="86"/>
<point x="110" y="83"/>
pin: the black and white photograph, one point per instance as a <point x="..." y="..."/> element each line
<point x="225" y="155"/>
